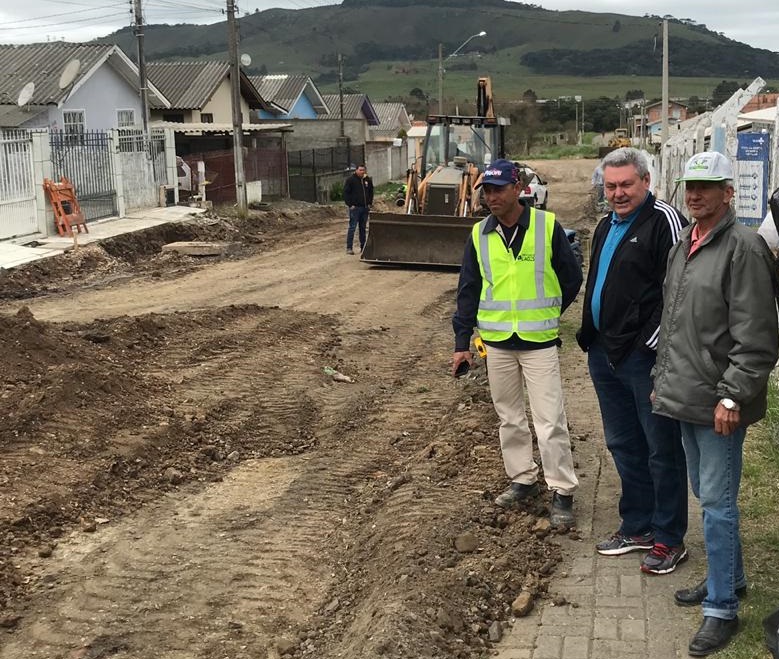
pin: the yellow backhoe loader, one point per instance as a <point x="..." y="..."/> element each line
<point x="441" y="202"/>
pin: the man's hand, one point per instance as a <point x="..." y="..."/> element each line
<point x="725" y="420"/>
<point x="460" y="357"/>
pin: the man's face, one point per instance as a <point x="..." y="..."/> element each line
<point x="360" y="172"/>
<point x="625" y="190"/>
<point x="707" y="200"/>
<point x="501" y="199"/>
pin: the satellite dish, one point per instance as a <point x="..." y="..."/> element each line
<point x="69" y="73"/>
<point x="26" y="94"/>
<point x="246" y="59"/>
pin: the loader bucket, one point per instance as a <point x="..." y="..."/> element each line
<point x="400" y="239"/>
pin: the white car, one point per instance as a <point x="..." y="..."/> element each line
<point x="535" y="191"/>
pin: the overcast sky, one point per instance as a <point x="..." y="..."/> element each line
<point x="26" y="21"/>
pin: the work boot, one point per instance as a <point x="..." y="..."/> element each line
<point x="350" y="251"/>
<point x="516" y="493"/>
<point x="562" y="511"/>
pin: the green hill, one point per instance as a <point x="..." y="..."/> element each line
<point x="396" y="42"/>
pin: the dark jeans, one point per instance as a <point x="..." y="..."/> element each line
<point x="358" y="216"/>
<point x="646" y="447"/>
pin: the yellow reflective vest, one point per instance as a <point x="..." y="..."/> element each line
<point x="519" y="294"/>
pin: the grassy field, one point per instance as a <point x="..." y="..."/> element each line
<point x="759" y="532"/>
<point x="391" y="81"/>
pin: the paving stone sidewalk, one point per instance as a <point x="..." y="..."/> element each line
<point x="615" y="611"/>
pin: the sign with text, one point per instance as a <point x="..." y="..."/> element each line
<point x="752" y="177"/>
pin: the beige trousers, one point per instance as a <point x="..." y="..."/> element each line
<point x="541" y="372"/>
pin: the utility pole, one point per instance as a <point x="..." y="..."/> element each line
<point x="341" y="91"/>
<point x="235" y="95"/>
<point x="142" y="66"/>
<point x="440" y="78"/>
<point x="664" y="125"/>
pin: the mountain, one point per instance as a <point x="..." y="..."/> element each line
<point x="523" y="38"/>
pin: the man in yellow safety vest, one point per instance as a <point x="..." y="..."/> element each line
<point x="518" y="275"/>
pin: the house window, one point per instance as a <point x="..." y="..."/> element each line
<point x="125" y="118"/>
<point x="207" y="118"/>
<point x="74" y="125"/>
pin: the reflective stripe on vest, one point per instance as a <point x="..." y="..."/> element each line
<point x="519" y="294"/>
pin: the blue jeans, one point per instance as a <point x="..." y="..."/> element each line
<point x="646" y="447"/>
<point x="714" y="466"/>
<point x="358" y="217"/>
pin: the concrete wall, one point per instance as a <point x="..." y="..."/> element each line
<point x="321" y="133"/>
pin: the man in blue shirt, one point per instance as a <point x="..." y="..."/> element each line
<point x="620" y="324"/>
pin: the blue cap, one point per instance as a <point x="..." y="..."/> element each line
<point x="500" y="172"/>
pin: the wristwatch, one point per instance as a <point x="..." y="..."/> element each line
<point x="729" y="404"/>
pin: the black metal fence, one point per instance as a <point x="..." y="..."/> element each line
<point x="309" y="169"/>
<point x="85" y="159"/>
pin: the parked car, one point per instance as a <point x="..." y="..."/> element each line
<point x="535" y="191"/>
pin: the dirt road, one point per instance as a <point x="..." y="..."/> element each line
<point x="181" y="477"/>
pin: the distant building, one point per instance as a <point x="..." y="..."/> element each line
<point x="761" y="102"/>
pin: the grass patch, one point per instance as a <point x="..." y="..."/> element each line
<point x="759" y="532"/>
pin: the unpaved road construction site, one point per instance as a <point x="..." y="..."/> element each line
<point x="183" y="478"/>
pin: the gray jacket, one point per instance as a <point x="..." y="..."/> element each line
<point x="718" y="334"/>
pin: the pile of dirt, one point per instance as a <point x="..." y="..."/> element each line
<point x="138" y="254"/>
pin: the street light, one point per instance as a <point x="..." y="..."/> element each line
<point x="441" y="67"/>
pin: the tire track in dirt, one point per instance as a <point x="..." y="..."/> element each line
<point x="233" y="558"/>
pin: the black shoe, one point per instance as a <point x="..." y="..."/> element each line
<point x="713" y="634"/>
<point x="695" y="595"/>
<point x="562" y="511"/>
<point x="517" y="492"/>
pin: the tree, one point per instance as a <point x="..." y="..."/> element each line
<point x="723" y="91"/>
<point x="529" y="96"/>
<point x="418" y="93"/>
<point x="634" y="94"/>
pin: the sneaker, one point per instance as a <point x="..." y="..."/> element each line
<point x="663" y="559"/>
<point x="350" y="252"/>
<point x="619" y="544"/>
<point x="562" y="511"/>
<point x="517" y="492"/>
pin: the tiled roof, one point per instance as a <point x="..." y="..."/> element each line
<point x="391" y="115"/>
<point x="285" y="90"/>
<point x="42" y="64"/>
<point x="356" y="106"/>
<point x="12" y="115"/>
<point x="187" y="85"/>
<point x="190" y="85"/>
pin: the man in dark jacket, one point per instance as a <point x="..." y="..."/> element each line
<point x="358" y="196"/>
<point x="620" y="321"/>
<point x="718" y="345"/>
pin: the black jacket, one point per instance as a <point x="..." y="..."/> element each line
<point x="358" y="191"/>
<point x="632" y="294"/>
<point x="564" y="263"/>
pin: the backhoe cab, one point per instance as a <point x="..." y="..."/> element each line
<point x="441" y="200"/>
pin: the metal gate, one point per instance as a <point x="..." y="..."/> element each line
<point x="17" y="188"/>
<point x="306" y="168"/>
<point x="85" y="159"/>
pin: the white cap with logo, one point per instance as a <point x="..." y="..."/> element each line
<point x="707" y="166"/>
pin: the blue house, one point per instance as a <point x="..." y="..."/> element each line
<point x="297" y="95"/>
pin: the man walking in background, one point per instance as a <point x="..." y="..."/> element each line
<point x="358" y="196"/>
<point x="623" y="302"/>
<point x="518" y="275"/>
<point x="718" y="346"/>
